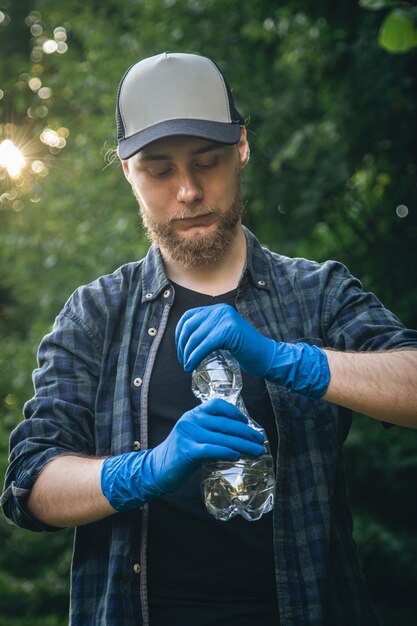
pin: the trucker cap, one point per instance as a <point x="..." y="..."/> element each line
<point x="174" y="94"/>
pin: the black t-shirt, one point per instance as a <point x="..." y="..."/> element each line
<point x="201" y="571"/>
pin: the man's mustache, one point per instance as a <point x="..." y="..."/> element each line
<point x="187" y="214"/>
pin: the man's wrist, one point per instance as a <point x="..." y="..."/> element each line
<point x="301" y="368"/>
<point x="320" y="374"/>
<point x="126" y="480"/>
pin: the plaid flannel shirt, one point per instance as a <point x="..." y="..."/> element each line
<point x="91" y="398"/>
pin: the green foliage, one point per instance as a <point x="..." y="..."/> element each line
<point x="332" y="174"/>
<point x="376" y="5"/>
<point x="24" y="594"/>
<point x="382" y="471"/>
<point x="398" y="33"/>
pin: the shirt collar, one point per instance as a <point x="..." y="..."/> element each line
<point x="256" y="267"/>
<point x="155" y="280"/>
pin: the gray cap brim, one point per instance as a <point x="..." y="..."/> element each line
<point x="224" y="133"/>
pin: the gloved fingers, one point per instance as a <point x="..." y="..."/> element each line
<point x="194" y="336"/>
<point x="226" y="452"/>
<point x="218" y="407"/>
<point x="203" y="330"/>
<point x="224" y="426"/>
<point x="192" y="320"/>
<point x="182" y="331"/>
<point x="206" y="451"/>
<point x="169" y="469"/>
<point x="217" y="422"/>
<point x="206" y="329"/>
<point x="207" y="338"/>
<point x="238" y="443"/>
<point x="216" y="416"/>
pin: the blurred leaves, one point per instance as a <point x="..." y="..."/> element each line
<point x="398" y="33"/>
<point x="376" y="5"/>
<point x="382" y="477"/>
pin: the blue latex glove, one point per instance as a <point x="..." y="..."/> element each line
<point x="297" y="366"/>
<point x="214" y="430"/>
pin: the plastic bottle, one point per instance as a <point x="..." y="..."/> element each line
<point x="244" y="487"/>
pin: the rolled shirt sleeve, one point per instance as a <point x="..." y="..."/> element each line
<point x="356" y="320"/>
<point x="59" y="419"/>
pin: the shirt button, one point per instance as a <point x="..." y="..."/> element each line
<point x="167" y="293"/>
<point x="136" y="568"/>
<point x="148" y="296"/>
<point x="136" y="445"/>
<point x="261" y="283"/>
<point x="137" y="382"/>
<point x="152" y="332"/>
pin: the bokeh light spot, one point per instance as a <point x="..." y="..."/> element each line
<point x="36" y="30"/>
<point x="50" y="46"/>
<point x="63" y="132"/>
<point x="42" y="111"/>
<point x="36" y="56"/>
<point x="402" y="210"/>
<point x="39" y="167"/>
<point x="4" y="18"/>
<point x="32" y="18"/>
<point x="60" y="34"/>
<point x="35" y="83"/>
<point x="10" y="400"/>
<point x="53" y="139"/>
<point x="44" y="93"/>
<point x="62" y="47"/>
<point x="11" y="158"/>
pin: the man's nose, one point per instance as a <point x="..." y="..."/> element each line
<point x="189" y="189"/>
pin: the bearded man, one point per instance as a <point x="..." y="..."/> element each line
<point x="114" y="439"/>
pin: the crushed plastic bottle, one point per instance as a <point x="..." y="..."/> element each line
<point x="244" y="487"/>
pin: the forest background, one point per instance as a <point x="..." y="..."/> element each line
<point x="329" y="92"/>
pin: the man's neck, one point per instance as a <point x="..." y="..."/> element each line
<point x="216" y="278"/>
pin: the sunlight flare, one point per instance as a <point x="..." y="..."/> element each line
<point x="11" y="158"/>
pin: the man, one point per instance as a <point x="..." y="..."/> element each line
<point x="113" y="439"/>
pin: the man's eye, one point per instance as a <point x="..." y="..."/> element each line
<point x="160" y="173"/>
<point x="206" y="165"/>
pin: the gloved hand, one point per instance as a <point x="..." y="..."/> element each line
<point x="213" y="430"/>
<point x="297" y="366"/>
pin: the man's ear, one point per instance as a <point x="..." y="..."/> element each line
<point x="125" y="166"/>
<point x="243" y="147"/>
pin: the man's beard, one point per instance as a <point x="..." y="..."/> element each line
<point x="202" y="249"/>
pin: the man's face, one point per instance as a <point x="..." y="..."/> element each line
<point x="188" y="190"/>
